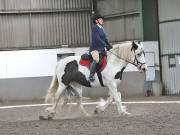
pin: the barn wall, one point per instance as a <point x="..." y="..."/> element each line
<point x="44" y="23"/>
<point x="169" y="27"/>
<point x="35" y="88"/>
<point x="123" y="19"/>
<point x="150" y="20"/>
<point x="26" y="74"/>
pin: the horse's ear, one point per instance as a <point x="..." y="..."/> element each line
<point x="139" y="41"/>
<point x="134" y="46"/>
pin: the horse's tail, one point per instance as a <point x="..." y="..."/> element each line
<point x="52" y="89"/>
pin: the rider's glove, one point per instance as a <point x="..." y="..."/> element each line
<point x="108" y="48"/>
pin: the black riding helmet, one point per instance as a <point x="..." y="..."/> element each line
<point x="96" y="17"/>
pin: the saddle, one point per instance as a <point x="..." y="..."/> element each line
<point x="86" y="60"/>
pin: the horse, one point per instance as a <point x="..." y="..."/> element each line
<point x="70" y="76"/>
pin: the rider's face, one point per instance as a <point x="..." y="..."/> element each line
<point x="100" y="21"/>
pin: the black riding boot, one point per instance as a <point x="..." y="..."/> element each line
<point x="93" y="69"/>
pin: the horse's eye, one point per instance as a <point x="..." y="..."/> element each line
<point x="139" y="54"/>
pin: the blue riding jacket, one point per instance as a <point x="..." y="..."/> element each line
<point x="99" y="40"/>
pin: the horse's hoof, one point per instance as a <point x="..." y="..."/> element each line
<point x="96" y="111"/>
<point x="50" y="118"/>
<point x="45" y="118"/>
<point x="127" y="114"/>
<point x="42" y="117"/>
<point x="87" y="115"/>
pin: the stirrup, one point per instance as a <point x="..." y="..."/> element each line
<point x="91" y="78"/>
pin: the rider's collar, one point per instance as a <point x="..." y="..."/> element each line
<point x="100" y="26"/>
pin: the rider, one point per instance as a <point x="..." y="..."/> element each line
<point x="99" y="44"/>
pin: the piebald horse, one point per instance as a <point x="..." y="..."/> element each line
<point x="70" y="76"/>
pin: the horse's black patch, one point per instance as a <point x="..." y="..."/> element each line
<point x="119" y="74"/>
<point x="72" y="74"/>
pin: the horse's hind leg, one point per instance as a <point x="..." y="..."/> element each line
<point x="52" y="110"/>
<point x="81" y="108"/>
<point x="78" y="89"/>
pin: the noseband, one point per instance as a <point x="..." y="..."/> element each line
<point x="136" y="62"/>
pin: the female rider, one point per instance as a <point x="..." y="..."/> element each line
<point x="99" y="44"/>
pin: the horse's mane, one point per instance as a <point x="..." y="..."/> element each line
<point x="123" y="49"/>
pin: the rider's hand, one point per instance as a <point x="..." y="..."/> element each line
<point x="108" y="48"/>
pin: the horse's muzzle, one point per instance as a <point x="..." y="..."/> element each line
<point x="142" y="67"/>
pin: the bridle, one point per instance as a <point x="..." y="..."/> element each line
<point x="139" y="64"/>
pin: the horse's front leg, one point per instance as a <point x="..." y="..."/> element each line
<point x="117" y="96"/>
<point x="103" y="105"/>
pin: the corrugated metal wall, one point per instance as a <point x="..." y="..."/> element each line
<point x="169" y="27"/>
<point x="44" y="23"/>
<point x="123" y="19"/>
<point x="150" y="20"/>
<point x="171" y="76"/>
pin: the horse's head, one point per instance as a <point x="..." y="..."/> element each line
<point x="139" y="56"/>
<point x="131" y="52"/>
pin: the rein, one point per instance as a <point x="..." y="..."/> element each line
<point x="123" y="59"/>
